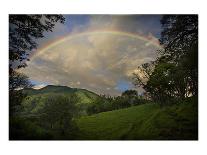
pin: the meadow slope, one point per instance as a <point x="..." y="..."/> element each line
<point x="143" y="122"/>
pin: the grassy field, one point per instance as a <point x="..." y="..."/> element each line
<point x="148" y="121"/>
<point x="144" y="122"/>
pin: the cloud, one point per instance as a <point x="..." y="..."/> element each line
<point x="97" y="62"/>
<point x="39" y="86"/>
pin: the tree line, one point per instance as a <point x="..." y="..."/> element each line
<point x="108" y="103"/>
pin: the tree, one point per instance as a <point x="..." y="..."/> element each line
<point x="129" y="93"/>
<point x="174" y="74"/>
<point x="142" y="74"/>
<point x="17" y="82"/>
<point x="58" y="112"/>
<point x="130" y="97"/>
<point x="150" y="77"/>
<point x="180" y="41"/>
<point x="180" y="33"/>
<point x="24" y="30"/>
<point x="164" y="81"/>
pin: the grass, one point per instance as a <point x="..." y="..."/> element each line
<point x="143" y="122"/>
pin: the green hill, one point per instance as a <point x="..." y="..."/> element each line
<point x="142" y="122"/>
<point x="148" y="121"/>
<point x="54" y="89"/>
<point x="36" y="97"/>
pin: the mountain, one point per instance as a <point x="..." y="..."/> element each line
<point x="52" y="89"/>
<point x="36" y="97"/>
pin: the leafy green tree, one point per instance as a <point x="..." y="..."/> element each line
<point x="165" y="81"/>
<point x="101" y="104"/>
<point x="59" y="112"/>
<point x="162" y="83"/>
<point x="130" y="97"/>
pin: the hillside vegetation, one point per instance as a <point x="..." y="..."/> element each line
<point x="143" y="122"/>
<point x="36" y="99"/>
<point x="59" y="112"/>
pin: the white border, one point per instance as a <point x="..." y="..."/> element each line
<point x="103" y="7"/>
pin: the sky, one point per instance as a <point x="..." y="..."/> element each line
<point x="95" y="52"/>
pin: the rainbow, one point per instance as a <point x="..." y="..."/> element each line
<point x="71" y="36"/>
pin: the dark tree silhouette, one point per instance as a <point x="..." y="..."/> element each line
<point x="130" y="93"/>
<point x="174" y="74"/>
<point x="17" y="82"/>
<point x="180" y="40"/>
<point x="24" y="30"/>
<point x="179" y="35"/>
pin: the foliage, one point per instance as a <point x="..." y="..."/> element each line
<point x="17" y="82"/>
<point x="58" y="118"/>
<point x="166" y="83"/>
<point x="179" y="34"/>
<point x="53" y="121"/>
<point x="174" y="74"/>
<point x="129" y="93"/>
<point x="58" y="114"/>
<point x="108" y="103"/>
<point x="180" y="40"/>
<point x="36" y="99"/>
<point x="99" y="105"/>
<point x="87" y="102"/>
<point x="27" y="129"/>
<point x="24" y="30"/>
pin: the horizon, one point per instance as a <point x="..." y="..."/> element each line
<point x="38" y="87"/>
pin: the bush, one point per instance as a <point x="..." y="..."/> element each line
<point x="26" y="129"/>
<point x="107" y="103"/>
<point x="54" y="121"/>
<point x="58" y="114"/>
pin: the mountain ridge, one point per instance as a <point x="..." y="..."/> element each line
<point x="55" y="89"/>
<point x="36" y="98"/>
